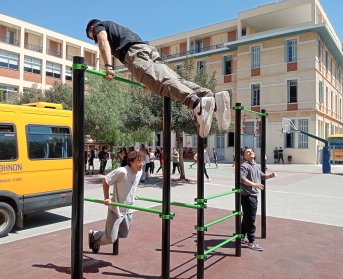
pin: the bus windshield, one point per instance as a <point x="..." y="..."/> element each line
<point x="336" y="140"/>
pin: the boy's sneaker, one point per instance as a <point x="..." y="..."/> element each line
<point x="92" y="243"/>
<point x="255" y="246"/>
<point x="87" y="173"/>
<point x="245" y="240"/>
<point x="222" y="110"/>
<point x="204" y="112"/>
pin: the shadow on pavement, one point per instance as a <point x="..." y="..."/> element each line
<point x="90" y="265"/>
<point x="40" y="219"/>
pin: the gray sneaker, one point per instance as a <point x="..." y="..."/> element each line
<point x="255" y="246"/>
<point x="92" y="242"/>
<point x="222" y="112"/>
<point x="245" y="240"/>
<point x="204" y="112"/>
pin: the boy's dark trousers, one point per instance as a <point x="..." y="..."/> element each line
<point x="281" y="157"/>
<point x="176" y="165"/>
<point x="249" y="207"/>
<point x="102" y="166"/>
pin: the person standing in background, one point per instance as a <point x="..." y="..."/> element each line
<point x="215" y="157"/>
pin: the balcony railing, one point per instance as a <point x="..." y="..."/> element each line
<point x="181" y="54"/>
<point x="90" y="63"/>
<point x="185" y="53"/>
<point x="54" y="53"/>
<point x="69" y="57"/>
<point x="9" y="41"/>
<point x="33" y="47"/>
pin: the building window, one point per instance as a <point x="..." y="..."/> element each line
<point x="291" y="51"/>
<point x="326" y="132"/>
<point x="198" y="46"/>
<point x="255" y="57"/>
<point x="53" y="70"/>
<point x="303" y="139"/>
<point x="195" y="140"/>
<point x="6" y="92"/>
<point x="255" y="95"/>
<point x="327" y="97"/>
<point x="227" y="65"/>
<point x="192" y="48"/>
<point x="230" y="94"/>
<point x="319" y="51"/>
<point x="320" y="92"/>
<point x="32" y="65"/>
<point x="9" y="60"/>
<point x="326" y="61"/>
<point x="48" y="142"/>
<point x="69" y="73"/>
<point x="289" y="137"/>
<point x="244" y="31"/>
<point x="292" y="91"/>
<point x="331" y="105"/>
<point x="201" y="66"/>
<point x="8" y="142"/>
<point x="230" y="139"/>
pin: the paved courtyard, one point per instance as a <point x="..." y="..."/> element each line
<point x="304" y="232"/>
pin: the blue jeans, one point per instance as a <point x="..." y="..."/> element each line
<point x="143" y="173"/>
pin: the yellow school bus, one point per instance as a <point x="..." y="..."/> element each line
<point x="35" y="160"/>
<point x="336" y="146"/>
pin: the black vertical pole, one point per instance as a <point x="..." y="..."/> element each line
<point x="263" y="168"/>
<point x="238" y="175"/>
<point x="166" y="188"/>
<point x="116" y="247"/>
<point x="78" y="170"/>
<point x="200" y="211"/>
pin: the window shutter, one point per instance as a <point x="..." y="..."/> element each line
<point x="286" y="51"/>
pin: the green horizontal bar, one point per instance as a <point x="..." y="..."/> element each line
<point x="222" y="244"/>
<point x="255" y="112"/>
<point x="103" y="74"/>
<point x="251" y="111"/>
<point x="223" y="194"/>
<point x="139" y="208"/>
<point x="172" y="203"/>
<point x="222" y="219"/>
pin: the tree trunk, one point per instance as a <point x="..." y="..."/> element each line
<point x="179" y="140"/>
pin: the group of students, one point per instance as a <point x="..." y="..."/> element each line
<point x="103" y="157"/>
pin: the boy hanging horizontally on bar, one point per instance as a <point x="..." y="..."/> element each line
<point x="146" y="66"/>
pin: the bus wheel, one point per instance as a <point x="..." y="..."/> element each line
<point x="7" y="218"/>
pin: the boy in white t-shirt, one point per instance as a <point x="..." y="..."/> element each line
<point x="125" y="181"/>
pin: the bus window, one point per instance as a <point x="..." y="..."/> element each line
<point x="8" y="143"/>
<point x="48" y="142"/>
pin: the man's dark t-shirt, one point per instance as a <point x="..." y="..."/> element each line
<point x="119" y="37"/>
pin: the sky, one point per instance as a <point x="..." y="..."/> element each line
<point x="150" y="19"/>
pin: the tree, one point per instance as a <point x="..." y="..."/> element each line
<point x="151" y="108"/>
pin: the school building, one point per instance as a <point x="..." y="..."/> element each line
<point x="284" y="57"/>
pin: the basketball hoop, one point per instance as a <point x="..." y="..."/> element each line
<point x="288" y="126"/>
<point x="279" y="132"/>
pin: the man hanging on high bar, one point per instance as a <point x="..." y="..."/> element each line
<point x="146" y="66"/>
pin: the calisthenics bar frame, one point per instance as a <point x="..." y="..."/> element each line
<point x="238" y="108"/>
<point x="79" y="68"/>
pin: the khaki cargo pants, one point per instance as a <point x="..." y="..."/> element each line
<point x="146" y="66"/>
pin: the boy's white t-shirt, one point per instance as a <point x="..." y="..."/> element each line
<point x="125" y="184"/>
